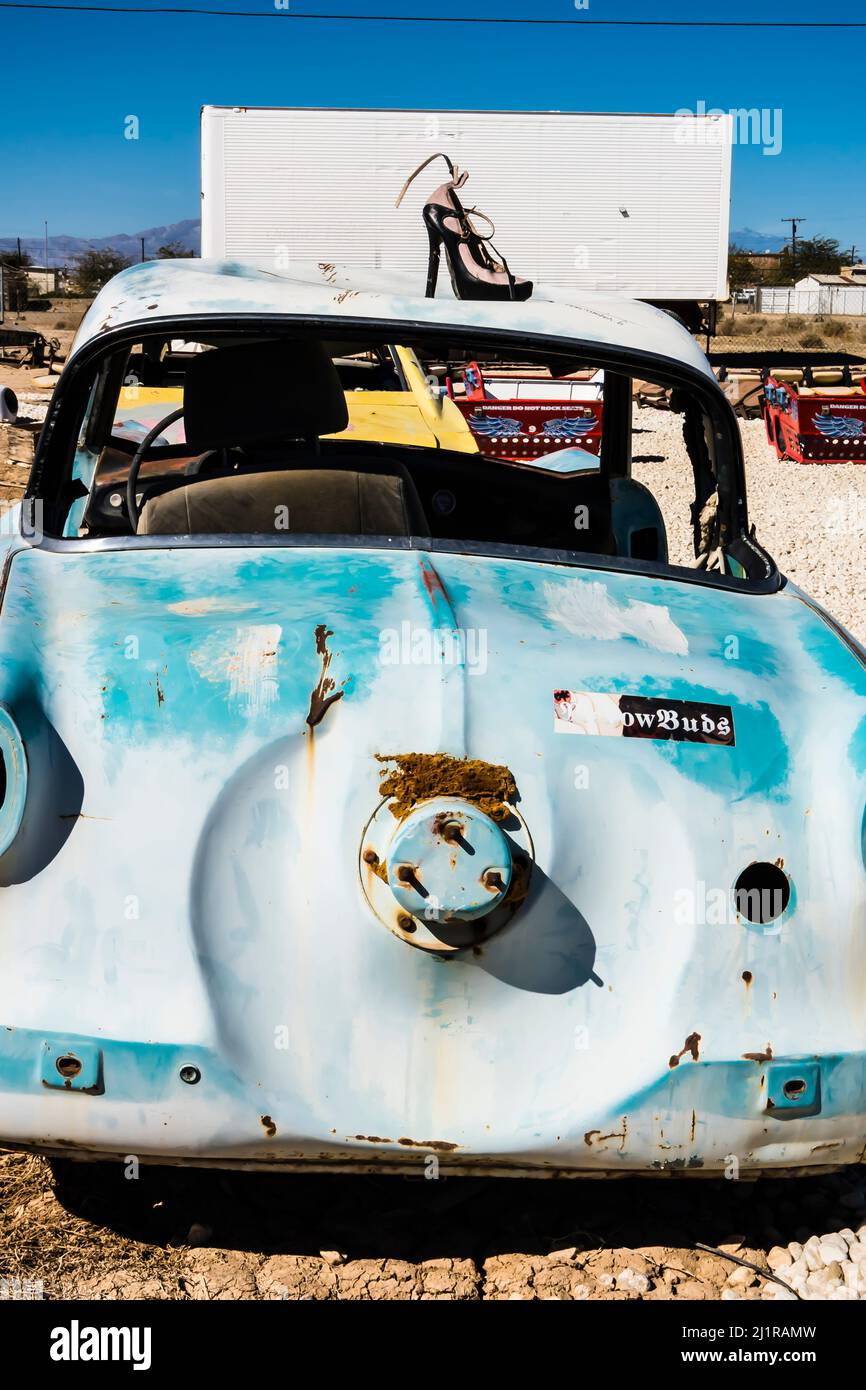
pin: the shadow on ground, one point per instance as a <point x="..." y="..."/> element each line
<point x="417" y="1219"/>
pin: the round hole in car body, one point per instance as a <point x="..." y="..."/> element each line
<point x="68" y="1066"/>
<point x="794" y="1088"/>
<point x="762" y="893"/>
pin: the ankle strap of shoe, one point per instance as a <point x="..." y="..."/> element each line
<point x="457" y="180"/>
<point x="496" y="261"/>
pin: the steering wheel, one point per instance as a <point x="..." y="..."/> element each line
<point x="132" y="477"/>
<point x="193" y="468"/>
<point x="197" y="466"/>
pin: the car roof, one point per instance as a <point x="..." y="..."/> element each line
<point x="172" y="289"/>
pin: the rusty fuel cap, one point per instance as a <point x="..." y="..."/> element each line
<point x="442" y="874"/>
<point x="448" y="862"/>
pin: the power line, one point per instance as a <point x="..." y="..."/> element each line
<point x="444" y="19"/>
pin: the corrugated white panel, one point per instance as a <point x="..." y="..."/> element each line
<point x="300" y="185"/>
<point x="830" y="299"/>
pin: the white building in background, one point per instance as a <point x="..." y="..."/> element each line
<point x="816" y="294"/>
<point x="45" y="279"/>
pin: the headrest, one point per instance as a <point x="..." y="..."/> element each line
<point x="262" y="393"/>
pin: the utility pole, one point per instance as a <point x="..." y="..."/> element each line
<point x="142" y="248"/>
<point x="795" y="222"/>
<point x="45" y="225"/>
<point x="853" y="255"/>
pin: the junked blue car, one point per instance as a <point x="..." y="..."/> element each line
<point x="367" y="806"/>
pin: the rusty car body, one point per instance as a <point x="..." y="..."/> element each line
<point x="370" y="806"/>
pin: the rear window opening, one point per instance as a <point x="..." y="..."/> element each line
<point x="264" y="435"/>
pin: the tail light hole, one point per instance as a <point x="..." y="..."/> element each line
<point x="762" y="892"/>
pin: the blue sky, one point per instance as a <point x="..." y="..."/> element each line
<point x="65" y="158"/>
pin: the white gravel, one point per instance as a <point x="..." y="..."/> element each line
<point x="825" y="1267"/>
<point x="810" y="517"/>
<point x="32" y="405"/>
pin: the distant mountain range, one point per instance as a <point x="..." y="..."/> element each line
<point x="748" y="240"/>
<point x="63" y="249"/>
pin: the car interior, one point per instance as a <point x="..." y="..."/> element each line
<point x="230" y="435"/>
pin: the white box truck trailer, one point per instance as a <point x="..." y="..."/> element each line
<point x="636" y="204"/>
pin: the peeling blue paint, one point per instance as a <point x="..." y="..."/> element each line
<point x="163" y="697"/>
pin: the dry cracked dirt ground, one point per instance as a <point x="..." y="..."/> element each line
<point x="184" y="1234"/>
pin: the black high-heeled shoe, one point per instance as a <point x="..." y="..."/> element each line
<point x="475" y="274"/>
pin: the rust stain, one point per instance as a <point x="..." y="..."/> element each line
<point x="766" y="1056"/>
<point x="432" y="583"/>
<point x="491" y="881"/>
<point x="371" y="1139"/>
<point x="694" y="1126"/>
<point x="450" y="830"/>
<point x="747" y="977"/>
<point x="268" y="1125"/>
<point x="160" y="693"/>
<point x="324" y="693"/>
<point x="311" y="761"/>
<point x="420" y="776"/>
<point x="440" y="1145"/>
<point x="594" y="1136"/>
<point x="375" y="865"/>
<point x="690" y="1046"/>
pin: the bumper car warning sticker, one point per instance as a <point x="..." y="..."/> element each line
<point x="640" y="716"/>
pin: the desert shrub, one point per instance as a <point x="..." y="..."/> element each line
<point x="740" y="325"/>
<point x="812" y="339"/>
<point x="834" y="328"/>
